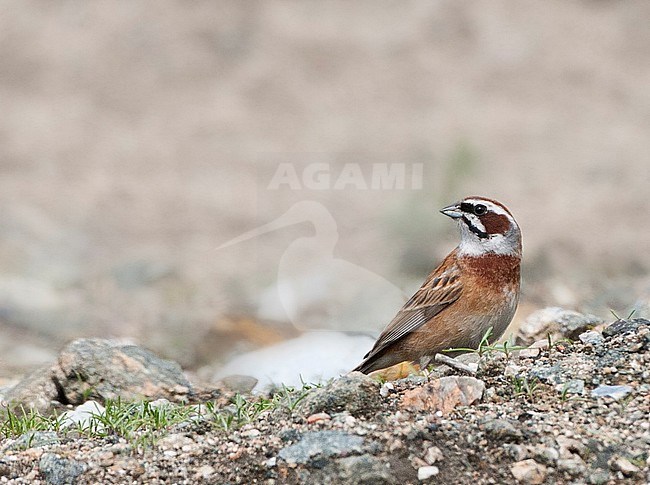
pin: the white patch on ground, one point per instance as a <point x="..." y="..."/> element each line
<point x="312" y="357"/>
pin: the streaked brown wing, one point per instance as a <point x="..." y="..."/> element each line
<point x="441" y="289"/>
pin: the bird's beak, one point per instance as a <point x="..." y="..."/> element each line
<point x="452" y="211"/>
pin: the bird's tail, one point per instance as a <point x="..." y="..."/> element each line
<point x="365" y="367"/>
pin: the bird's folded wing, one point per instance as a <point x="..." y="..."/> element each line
<point x="442" y="288"/>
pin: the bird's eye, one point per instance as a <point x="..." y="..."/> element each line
<point x="480" y="209"/>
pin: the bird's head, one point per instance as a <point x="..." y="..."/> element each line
<point x="486" y="226"/>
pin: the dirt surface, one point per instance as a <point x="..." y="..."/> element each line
<point x="549" y="415"/>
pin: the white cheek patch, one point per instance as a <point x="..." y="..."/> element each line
<point x="475" y="221"/>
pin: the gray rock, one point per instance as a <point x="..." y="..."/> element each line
<point x="364" y="469"/>
<point x="34" y="439"/>
<point x="572" y="386"/>
<point x="239" y="383"/>
<point x="36" y="391"/>
<point x="517" y="452"/>
<point x="356" y="393"/>
<point x="611" y="357"/>
<point x="550" y="375"/>
<point x="289" y="434"/>
<point x="624" y="326"/>
<point x="321" y="444"/>
<point x="99" y="369"/>
<point x="413" y="380"/>
<point x="592" y="338"/>
<point x="615" y="392"/>
<point x="58" y="470"/>
<point x="557" y="322"/>
<point x="103" y="369"/>
<point x="573" y="466"/>
<point x="624" y="465"/>
<point x="502" y="430"/>
<point x="598" y="477"/>
<point x="546" y="454"/>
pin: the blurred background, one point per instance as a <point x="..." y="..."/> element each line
<point x="137" y="139"/>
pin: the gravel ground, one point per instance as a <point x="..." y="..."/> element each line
<point x="576" y="412"/>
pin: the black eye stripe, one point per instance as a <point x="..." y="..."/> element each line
<point x="466" y="207"/>
<point x="474" y="229"/>
<point x="478" y="209"/>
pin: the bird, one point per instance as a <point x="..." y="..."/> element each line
<point x="475" y="288"/>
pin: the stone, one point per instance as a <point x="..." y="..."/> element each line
<point x="598" y="477"/>
<point x="321" y="444"/>
<point x="624" y="465"/>
<point x="591" y="337"/>
<point x="528" y="471"/>
<point x="502" y="430"/>
<point x="557" y="322"/>
<point x="205" y="472"/>
<point x="620" y="327"/>
<point x="512" y="370"/>
<point x="444" y="394"/>
<point x="517" y="452"/>
<point x="426" y="472"/>
<point x="614" y="392"/>
<point x="84" y="416"/>
<point x="573" y="466"/>
<point x="363" y="469"/>
<point x="58" y="470"/>
<point x="355" y="393"/>
<point x="433" y="455"/>
<point x="103" y="369"/>
<point x="546" y="454"/>
<point x="239" y="383"/>
<point x="251" y="433"/>
<point x="315" y="418"/>
<point x="539" y="344"/>
<point x="529" y="353"/>
<point x="549" y="375"/>
<point x="386" y="389"/>
<point x="34" y="439"/>
<point x="568" y="446"/>
<point x="36" y="391"/>
<point x="99" y="369"/>
<point x="572" y="386"/>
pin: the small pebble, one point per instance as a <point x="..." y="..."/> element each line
<point x="615" y="392"/>
<point x="386" y="389"/>
<point x="625" y="466"/>
<point x="592" y="338"/>
<point x="433" y="455"/>
<point x="426" y="472"/>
